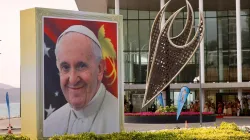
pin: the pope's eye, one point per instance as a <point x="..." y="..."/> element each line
<point x="81" y="65"/>
<point x="65" y="67"/>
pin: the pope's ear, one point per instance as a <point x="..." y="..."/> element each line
<point x="101" y="69"/>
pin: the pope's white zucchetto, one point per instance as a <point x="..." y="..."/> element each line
<point x="82" y="30"/>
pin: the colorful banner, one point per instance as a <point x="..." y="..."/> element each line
<point x="182" y="99"/>
<point x="160" y="100"/>
<point x="80" y="76"/>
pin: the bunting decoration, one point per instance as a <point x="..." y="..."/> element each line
<point x="182" y="99"/>
<point x="8" y="104"/>
<point x="8" y="107"/>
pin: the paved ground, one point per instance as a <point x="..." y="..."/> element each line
<point x="240" y="121"/>
<point x="244" y="121"/>
<point x="15" y="122"/>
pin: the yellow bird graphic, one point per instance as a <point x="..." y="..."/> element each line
<point x="108" y="52"/>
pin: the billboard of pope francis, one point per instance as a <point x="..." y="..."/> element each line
<point x="80" y="76"/>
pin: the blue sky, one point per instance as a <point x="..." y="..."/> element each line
<point x="10" y="34"/>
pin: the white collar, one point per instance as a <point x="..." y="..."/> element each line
<point x="93" y="106"/>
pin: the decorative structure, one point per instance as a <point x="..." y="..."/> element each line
<point x="42" y="96"/>
<point x="169" y="55"/>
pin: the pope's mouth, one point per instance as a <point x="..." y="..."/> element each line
<point x="75" y="88"/>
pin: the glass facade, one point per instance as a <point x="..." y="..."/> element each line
<point x="219" y="44"/>
<point x="220" y="48"/>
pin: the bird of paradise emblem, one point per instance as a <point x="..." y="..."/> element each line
<point x="108" y="53"/>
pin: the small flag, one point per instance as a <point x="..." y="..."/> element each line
<point x="182" y="99"/>
<point x="8" y="106"/>
<point x="160" y="100"/>
<point x="8" y="103"/>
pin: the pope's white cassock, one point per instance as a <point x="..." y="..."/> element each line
<point x="99" y="116"/>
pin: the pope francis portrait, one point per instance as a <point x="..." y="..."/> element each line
<point x="90" y="107"/>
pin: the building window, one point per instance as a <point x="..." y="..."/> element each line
<point x="220" y="45"/>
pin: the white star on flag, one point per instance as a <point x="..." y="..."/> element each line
<point x="46" y="50"/>
<point x="50" y="110"/>
<point x="56" y="93"/>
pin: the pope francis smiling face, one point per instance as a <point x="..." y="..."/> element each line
<point x="81" y="68"/>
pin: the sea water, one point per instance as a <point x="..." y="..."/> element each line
<point x="14" y="110"/>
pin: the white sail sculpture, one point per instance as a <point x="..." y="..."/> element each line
<point x="169" y="55"/>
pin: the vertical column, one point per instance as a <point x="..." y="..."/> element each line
<point x="168" y="98"/>
<point x="221" y="69"/>
<point x="162" y="2"/>
<point x="239" y="57"/>
<point x="131" y="62"/>
<point x="117" y="7"/>
<point x="202" y="77"/>
<point x="202" y="70"/>
<point x="30" y="89"/>
<point x="221" y="72"/>
<point x="121" y="99"/>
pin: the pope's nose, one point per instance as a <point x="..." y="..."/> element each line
<point x="73" y="78"/>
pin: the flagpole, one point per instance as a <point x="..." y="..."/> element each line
<point x="9" y="123"/>
<point x="200" y="90"/>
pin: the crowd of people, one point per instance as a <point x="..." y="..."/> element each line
<point x="208" y="107"/>
<point x="229" y="108"/>
<point x="195" y="106"/>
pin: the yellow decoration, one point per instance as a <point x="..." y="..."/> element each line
<point x="108" y="52"/>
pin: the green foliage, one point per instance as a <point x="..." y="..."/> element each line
<point x="172" y="109"/>
<point x="166" y="109"/>
<point x="229" y="126"/>
<point x="13" y="137"/>
<point x="160" y="110"/>
<point x="226" y="131"/>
